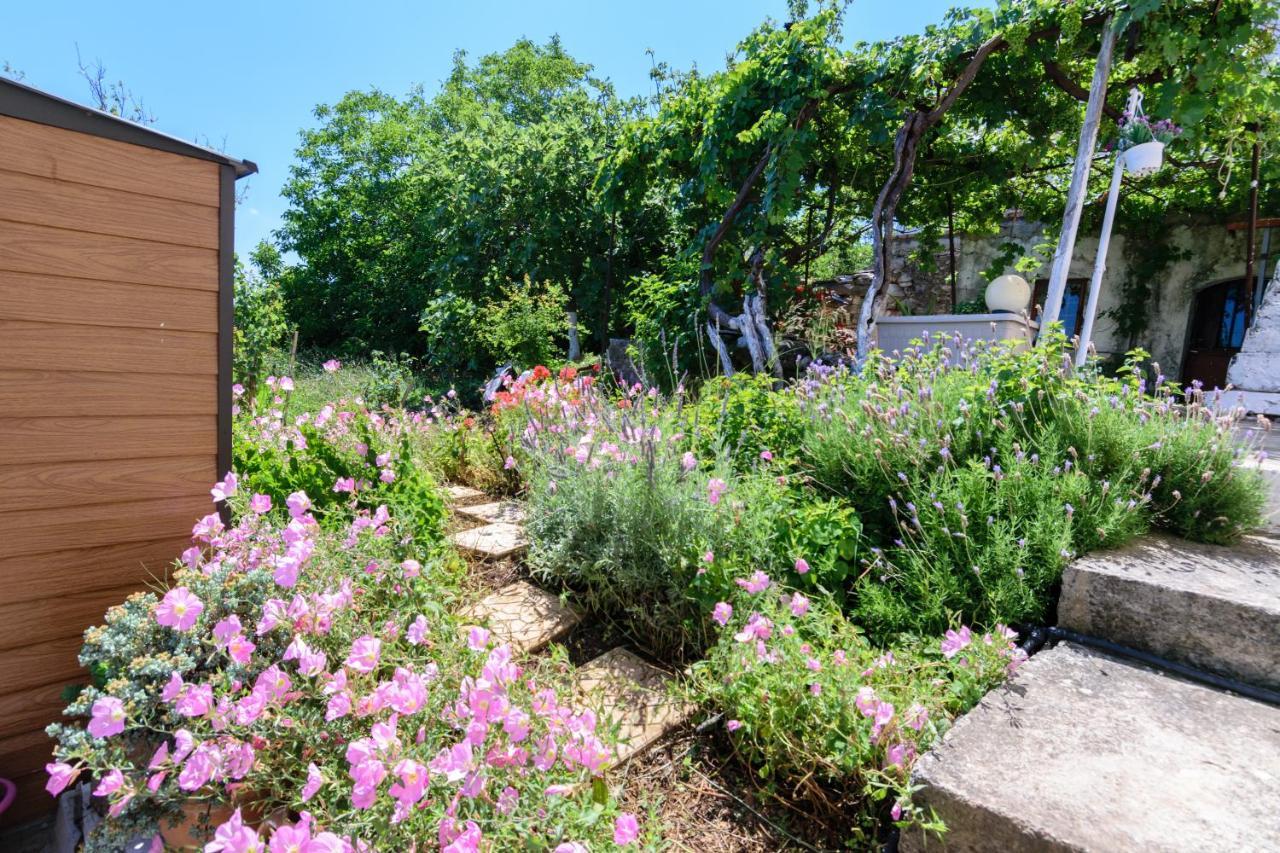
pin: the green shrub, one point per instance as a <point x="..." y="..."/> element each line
<point x="822" y="713"/>
<point x="743" y="417"/>
<point x="526" y="325"/>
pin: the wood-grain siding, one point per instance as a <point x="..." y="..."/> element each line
<point x="46" y="485"/>
<point x="50" y="299"/>
<point x="109" y="330"/>
<point x="52" y="152"/>
<point x="25" y="345"/>
<point x="67" y="393"/>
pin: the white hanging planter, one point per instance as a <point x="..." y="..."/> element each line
<point x="1144" y="159"/>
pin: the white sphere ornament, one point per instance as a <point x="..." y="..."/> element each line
<point x="1008" y="294"/>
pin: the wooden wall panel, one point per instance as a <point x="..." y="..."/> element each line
<point x="38" y="664"/>
<point x="75" y="439"/>
<point x="35" y="576"/>
<point x="33" y="800"/>
<point x="26" y="710"/>
<point x="80" y="207"/>
<point x="52" y="152"/>
<point x="100" y="257"/>
<point x="46" y="485"/>
<point x="41" y="621"/>
<point x="37" y="531"/>
<point x="51" y="299"/>
<point x="24" y="753"/>
<point x="52" y="393"/>
<point x="53" y="346"/>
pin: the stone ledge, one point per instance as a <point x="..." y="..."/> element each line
<point x="1081" y="751"/>
<point x="459" y="496"/>
<point x="1213" y="607"/>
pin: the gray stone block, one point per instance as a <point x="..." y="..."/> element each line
<point x="1215" y="608"/>
<point x="1084" y="752"/>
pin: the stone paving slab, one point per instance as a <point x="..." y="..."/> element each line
<point x="465" y="496"/>
<point x="511" y="512"/>
<point x="1213" y="607"/>
<point x="524" y="616"/>
<point x="1085" y="752"/>
<point x="492" y="541"/>
<point x="632" y="694"/>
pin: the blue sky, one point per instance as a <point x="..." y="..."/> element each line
<point x="247" y="75"/>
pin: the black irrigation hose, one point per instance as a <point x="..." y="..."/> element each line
<point x="1221" y="682"/>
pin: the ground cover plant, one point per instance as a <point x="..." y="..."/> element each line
<point x="302" y="675"/>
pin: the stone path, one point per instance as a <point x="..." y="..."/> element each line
<point x="524" y="616"/>
<point x="632" y="694"/>
<point x="629" y="695"/>
<point x="492" y="541"/>
<point x="510" y="512"/>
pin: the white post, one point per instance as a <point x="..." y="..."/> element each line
<point x="1104" y="242"/>
<point x="1079" y="179"/>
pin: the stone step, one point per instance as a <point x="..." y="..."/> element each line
<point x="1215" y="608"/>
<point x="511" y="512"/>
<point x="524" y="616"/>
<point x="632" y="694"/>
<point x="464" y="496"/>
<point x="1270" y="470"/>
<point x="492" y="541"/>
<point x="1083" y="752"/>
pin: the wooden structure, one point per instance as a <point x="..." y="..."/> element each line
<point x="115" y="385"/>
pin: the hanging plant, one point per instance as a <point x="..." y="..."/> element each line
<point x="1138" y="130"/>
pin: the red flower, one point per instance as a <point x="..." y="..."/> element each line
<point x="568" y="374"/>
<point x="540" y="373"/>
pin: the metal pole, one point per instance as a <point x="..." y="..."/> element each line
<point x="1100" y="263"/>
<point x="1251" y="242"/>
<point x="1079" y="178"/>
<point x="1104" y="242"/>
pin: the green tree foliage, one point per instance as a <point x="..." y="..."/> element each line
<point x="260" y="324"/>
<point x="408" y="214"/>
<point x="414" y="212"/>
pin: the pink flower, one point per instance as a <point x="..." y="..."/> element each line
<point x="799" y="605"/>
<point x="345" y="484"/>
<point x="715" y="488"/>
<point x="60" y="776"/>
<point x="453" y="763"/>
<point x="625" y="829"/>
<point x="364" y="654"/>
<point x="298" y="504"/>
<point x="240" y="648"/>
<point x="917" y="716"/>
<point x="954" y="641"/>
<point x="179" y="609"/>
<point x="225" y="489"/>
<point x="314" y="781"/>
<point x="758" y="582"/>
<point x="411" y="568"/>
<point x="332" y="366"/>
<point x="757" y="628"/>
<point x="688" y="461"/>
<point x="467" y="842"/>
<point x="570" y="847"/>
<point x="477" y="639"/>
<point x="766" y="455"/>
<point x="108" y="717"/>
<point x="286" y="383"/>
<point x="722" y="613"/>
<point x="709" y="557"/>
<point x="417" y="633"/>
<point x="112" y="782"/>
<point x="234" y="837"/>
<point x="733" y="725"/>
<point x="260" y="504"/>
<point x="509" y="463"/>
<point x="386" y="475"/>
<point x="802" y="566"/>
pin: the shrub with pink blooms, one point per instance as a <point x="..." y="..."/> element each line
<point x="826" y="716"/>
<point x="309" y="673"/>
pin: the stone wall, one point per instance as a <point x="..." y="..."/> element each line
<point x="1216" y="255"/>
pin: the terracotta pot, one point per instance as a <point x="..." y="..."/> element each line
<point x="186" y="834"/>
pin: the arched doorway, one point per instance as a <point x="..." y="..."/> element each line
<point x="1215" y="334"/>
